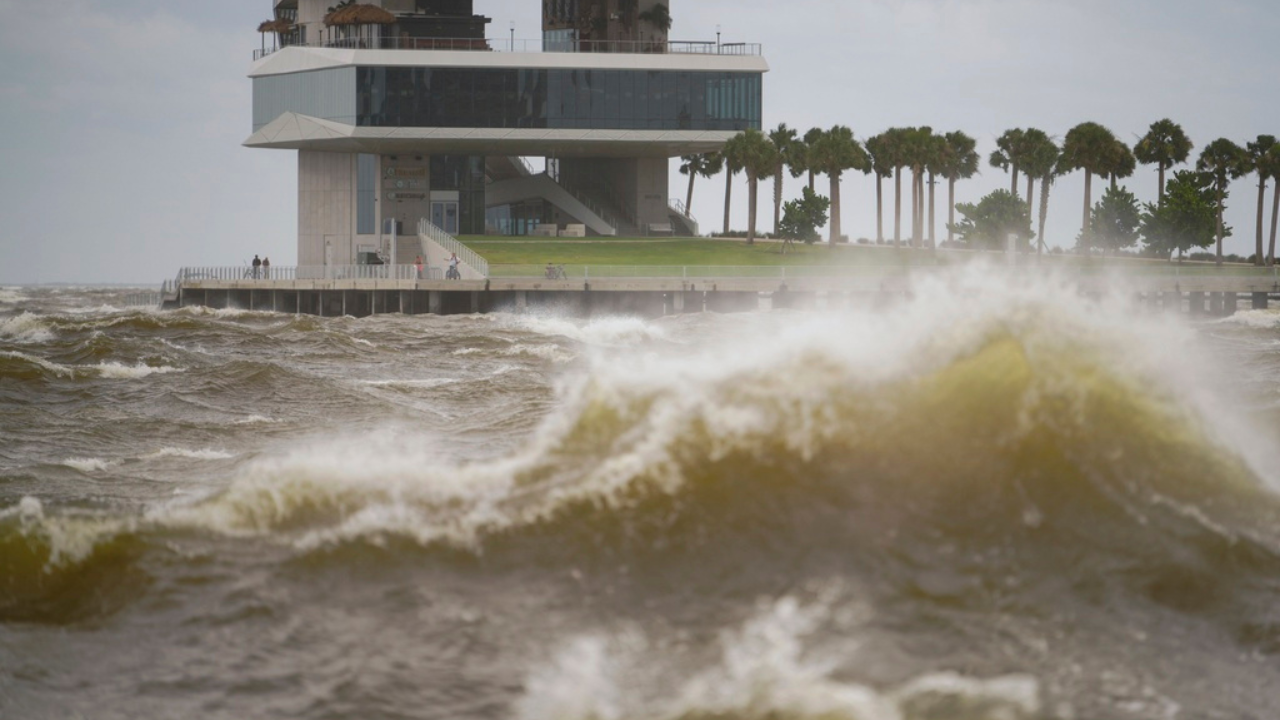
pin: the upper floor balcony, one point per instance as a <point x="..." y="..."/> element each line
<point x="378" y="42"/>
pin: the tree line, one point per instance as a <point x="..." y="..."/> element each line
<point x="1187" y="213"/>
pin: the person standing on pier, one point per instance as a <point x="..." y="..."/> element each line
<point x="266" y="268"/>
<point x="257" y="266"/>
<point x="453" y="267"/>
<point x="418" y="264"/>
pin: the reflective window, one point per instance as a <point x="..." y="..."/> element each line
<point x="510" y="98"/>
<point x="366" y="193"/>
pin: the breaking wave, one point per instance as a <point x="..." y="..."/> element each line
<point x="764" y="669"/>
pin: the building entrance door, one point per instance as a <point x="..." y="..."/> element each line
<point x="444" y="215"/>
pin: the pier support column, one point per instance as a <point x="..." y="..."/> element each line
<point x="435" y="302"/>
<point x="1215" y="304"/>
<point x="522" y="300"/>
<point x="1197" y="303"/>
<point x="1171" y="301"/>
<point x="475" y="302"/>
<point x="1259" y="301"/>
<point x="1230" y="302"/>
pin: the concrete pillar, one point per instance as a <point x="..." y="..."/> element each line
<point x="1171" y="301"/>
<point x="475" y="302"/>
<point x="435" y="302"/>
<point x="1215" y="304"/>
<point x="1230" y="302"/>
<point x="1197" y="303"/>
<point x="677" y="303"/>
<point x="522" y="300"/>
<point x="1259" y="301"/>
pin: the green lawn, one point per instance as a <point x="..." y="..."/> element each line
<point x="529" y="256"/>
<point x="669" y="251"/>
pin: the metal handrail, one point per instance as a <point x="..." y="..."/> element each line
<point x="678" y="205"/>
<point x="638" y="47"/>
<point x="428" y="229"/>
<point x="304" y="272"/>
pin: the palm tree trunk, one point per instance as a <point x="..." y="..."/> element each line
<point x="835" y="208"/>
<point x="915" y="205"/>
<point x="951" y="209"/>
<point x="1044" y="213"/>
<point x="810" y="180"/>
<point x="688" y="201"/>
<point x="728" y="195"/>
<point x="752" y="186"/>
<point x="1084" y="230"/>
<point x="933" y="238"/>
<point x="1113" y="181"/>
<point x="1262" y="200"/>
<point x="777" y="199"/>
<point x="1031" y="197"/>
<point x="879" y="209"/>
<point x="1013" y="182"/>
<point x="1221" y="191"/>
<point x="897" y="207"/>
<point x="1160" y="197"/>
<point x="920" y="209"/>
<point x="1275" y="209"/>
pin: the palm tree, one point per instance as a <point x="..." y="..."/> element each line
<point x="810" y="138"/>
<point x="752" y="151"/>
<point x="832" y="154"/>
<point x="731" y="168"/>
<point x="785" y="140"/>
<point x="659" y="16"/>
<point x="960" y="162"/>
<point x="1123" y="163"/>
<point x="916" y="142"/>
<point x="1258" y="150"/>
<point x="895" y="144"/>
<point x="706" y="165"/>
<point x="1034" y="141"/>
<point x="1040" y="162"/>
<point x="936" y="159"/>
<point x="1089" y="147"/>
<point x="881" y="166"/>
<point x="1271" y="162"/>
<point x="1006" y="156"/>
<point x="1165" y="145"/>
<point x="1226" y="161"/>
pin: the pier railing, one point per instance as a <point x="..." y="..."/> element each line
<point x="451" y="244"/>
<point x="309" y="272"/>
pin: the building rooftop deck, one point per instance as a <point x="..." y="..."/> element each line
<point x="687" y="47"/>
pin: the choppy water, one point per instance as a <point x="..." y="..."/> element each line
<point x="988" y="502"/>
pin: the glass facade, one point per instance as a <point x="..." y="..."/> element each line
<point x="366" y="193"/>
<point x="514" y="98"/>
<point x="464" y="174"/>
<point x="327" y="94"/>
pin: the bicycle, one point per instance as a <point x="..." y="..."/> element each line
<point x="452" y="274"/>
<point x="556" y="272"/>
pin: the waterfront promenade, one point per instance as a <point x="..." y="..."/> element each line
<point x="657" y="290"/>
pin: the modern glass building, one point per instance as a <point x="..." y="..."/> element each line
<point x="401" y="109"/>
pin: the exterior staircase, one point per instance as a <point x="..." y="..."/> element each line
<point x="543" y="187"/>
<point x="438" y="246"/>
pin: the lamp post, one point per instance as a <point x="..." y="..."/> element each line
<point x="717" y="39"/>
<point x="512" y="25"/>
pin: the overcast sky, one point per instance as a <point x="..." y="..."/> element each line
<point x="122" y="120"/>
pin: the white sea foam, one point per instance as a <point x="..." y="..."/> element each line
<point x="256" y="420"/>
<point x="766" y="669"/>
<point x="1259" y="319"/>
<point x="120" y="371"/>
<point x="206" y="454"/>
<point x="614" y="331"/>
<point x="11" y="296"/>
<point x="71" y="538"/>
<point x="552" y="353"/>
<point x="27" y="328"/>
<point x="87" y="465"/>
<point x="423" y="383"/>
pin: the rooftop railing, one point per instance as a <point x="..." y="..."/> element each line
<point x="673" y="47"/>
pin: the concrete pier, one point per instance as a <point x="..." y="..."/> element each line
<point x="1200" y="295"/>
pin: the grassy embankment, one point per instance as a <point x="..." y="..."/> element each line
<point x="530" y="255"/>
